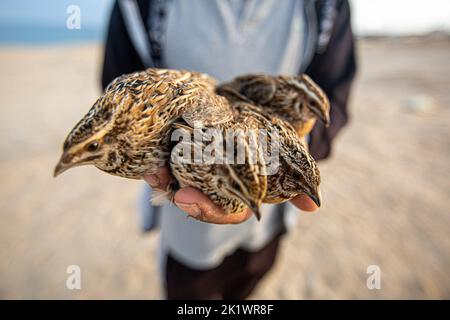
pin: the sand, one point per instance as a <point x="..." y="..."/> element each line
<point x="386" y="188"/>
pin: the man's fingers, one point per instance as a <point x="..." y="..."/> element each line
<point x="199" y="206"/>
<point x="160" y="179"/>
<point x="194" y="202"/>
<point x="303" y="202"/>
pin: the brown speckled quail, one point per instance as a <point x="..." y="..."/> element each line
<point x="297" y="100"/>
<point x="128" y="133"/>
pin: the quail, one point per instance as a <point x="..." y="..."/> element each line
<point x="129" y="132"/>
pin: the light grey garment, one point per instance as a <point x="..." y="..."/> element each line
<point x="227" y="38"/>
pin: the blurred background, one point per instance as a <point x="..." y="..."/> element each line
<point x="386" y="187"/>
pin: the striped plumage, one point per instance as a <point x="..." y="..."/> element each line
<point x="128" y="133"/>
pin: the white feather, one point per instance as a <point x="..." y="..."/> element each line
<point x="160" y="197"/>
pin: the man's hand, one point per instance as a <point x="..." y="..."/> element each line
<point x="200" y="207"/>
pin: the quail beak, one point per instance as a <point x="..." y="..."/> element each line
<point x="256" y="212"/>
<point x="316" y="198"/>
<point x="60" y="168"/>
<point x="63" y="165"/>
<point x="255" y="207"/>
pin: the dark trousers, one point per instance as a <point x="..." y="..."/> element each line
<point x="234" y="278"/>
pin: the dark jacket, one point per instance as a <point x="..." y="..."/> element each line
<point x="329" y="57"/>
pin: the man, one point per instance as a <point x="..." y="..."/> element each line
<point x="227" y="257"/>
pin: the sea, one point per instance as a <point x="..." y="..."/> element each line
<point x="46" y="22"/>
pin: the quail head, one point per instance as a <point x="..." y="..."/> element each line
<point x="297" y="100"/>
<point x="129" y="133"/>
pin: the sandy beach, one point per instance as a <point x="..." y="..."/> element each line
<point x="386" y="189"/>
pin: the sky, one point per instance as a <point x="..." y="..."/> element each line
<point x="400" y="16"/>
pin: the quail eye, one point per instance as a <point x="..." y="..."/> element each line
<point x="93" y="146"/>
